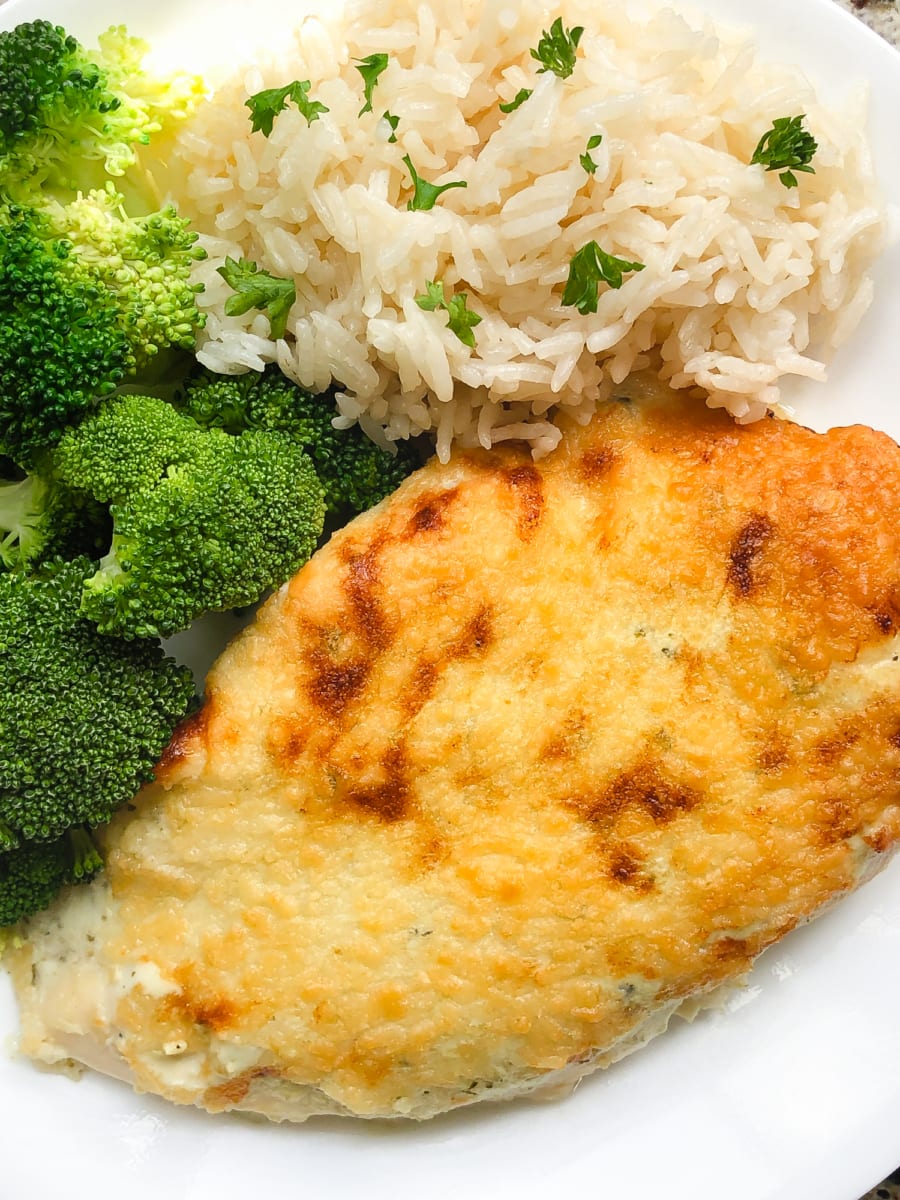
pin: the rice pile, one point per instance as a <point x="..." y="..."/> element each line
<point x="744" y="280"/>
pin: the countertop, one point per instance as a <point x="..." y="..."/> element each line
<point x="881" y="15"/>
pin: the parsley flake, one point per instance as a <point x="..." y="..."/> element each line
<point x="786" y="147"/>
<point x="258" y="289"/>
<point x="556" y="49"/>
<point x="393" y="122"/>
<point x="585" y="159"/>
<point x="520" y="97"/>
<point x="433" y="297"/>
<point x="266" y="105"/>
<point x="590" y="267"/>
<point x="426" y="193"/>
<point x="462" y="320"/>
<point x="370" y="68"/>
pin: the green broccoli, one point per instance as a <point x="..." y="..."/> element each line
<point x="88" y="296"/>
<point x="70" y="117"/>
<point x="40" y="520"/>
<point x="92" y="287"/>
<point x="32" y="874"/>
<point x="33" y="513"/>
<point x="202" y="520"/>
<point x="355" y="472"/>
<point x="83" y="719"/>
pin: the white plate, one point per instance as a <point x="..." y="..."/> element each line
<point x="792" y="1093"/>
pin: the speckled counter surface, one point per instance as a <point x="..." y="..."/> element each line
<point x="889" y="1190"/>
<point x="884" y="17"/>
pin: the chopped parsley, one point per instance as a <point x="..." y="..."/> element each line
<point x="393" y="122"/>
<point x="266" y="105"/>
<point x="370" y="68"/>
<point x="556" y="49"/>
<point x="520" y="97"/>
<point x="585" y="159"/>
<point x="462" y="320"/>
<point x="258" y="289"/>
<point x="590" y="267"/>
<point x="786" y="147"/>
<point x="426" y="193"/>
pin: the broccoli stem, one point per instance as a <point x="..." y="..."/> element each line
<point x="86" y="858"/>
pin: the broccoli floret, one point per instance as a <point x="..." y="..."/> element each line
<point x="33" y="512"/>
<point x="202" y="520"/>
<point x="40" y="520"/>
<point x="88" y="296"/>
<point x="355" y="472"/>
<point x="83" y="718"/>
<point x="32" y="874"/>
<point x="91" y="288"/>
<point x="69" y="116"/>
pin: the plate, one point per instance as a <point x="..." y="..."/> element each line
<point x="790" y="1091"/>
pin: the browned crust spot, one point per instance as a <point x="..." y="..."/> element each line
<point x="626" y="867"/>
<point x="476" y="637"/>
<point x="829" y="750"/>
<point x="362" y="587"/>
<point x="643" y="787"/>
<point x="838" y="820"/>
<point x="188" y="736"/>
<point x="885" y="614"/>
<point x="421" y="686"/>
<point x="227" y="1095"/>
<point x="233" y="1091"/>
<point x="334" y="685"/>
<point x="733" y="950"/>
<point x="211" y="1012"/>
<point x="287" y="739"/>
<point x="527" y="485"/>
<point x="566" y="741"/>
<point x="388" y="798"/>
<point x="775" y="754"/>
<point x="430" y="516"/>
<point x="595" y="464"/>
<point x="746" y="547"/>
<point x="879" y="840"/>
<point x="884" y="621"/>
<point x="215" y="1014"/>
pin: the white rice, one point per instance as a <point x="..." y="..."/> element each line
<point x="744" y="281"/>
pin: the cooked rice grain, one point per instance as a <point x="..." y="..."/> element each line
<point x="744" y="281"/>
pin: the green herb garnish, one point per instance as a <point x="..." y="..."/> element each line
<point x="787" y="148"/>
<point x="370" y="68"/>
<point x="258" y="289"/>
<point x="265" y="106"/>
<point x="426" y="193"/>
<point x="520" y="97"/>
<point x="462" y="320"/>
<point x="590" y="267"/>
<point x="556" y="49"/>
<point x="393" y="122"/>
<point x="585" y="159"/>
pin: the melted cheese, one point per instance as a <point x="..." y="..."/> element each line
<point x="517" y="763"/>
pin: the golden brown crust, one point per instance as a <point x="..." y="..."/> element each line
<point x="524" y="754"/>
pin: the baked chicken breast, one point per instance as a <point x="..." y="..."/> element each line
<point x="520" y="760"/>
